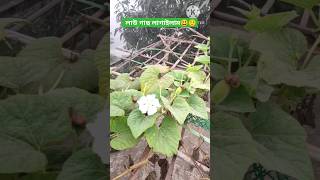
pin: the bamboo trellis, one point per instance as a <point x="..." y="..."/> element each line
<point x="167" y="51"/>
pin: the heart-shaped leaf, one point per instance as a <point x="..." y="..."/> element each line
<point x="123" y="138"/>
<point x="81" y="74"/>
<point x="179" y="108"/>
<point x="281" y="53"/>
<point x="151" y="83"/>
<point x="17" y="156"/>
<point x="165" y="139"/>
<point x="139" y="122"/>
<point x="125" y="99"/>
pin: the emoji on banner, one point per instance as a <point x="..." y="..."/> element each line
<point x="184" y="22"/>
<point x="192" y="23"/>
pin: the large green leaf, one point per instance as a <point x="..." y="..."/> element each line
<point x="281" y="141"/>
<point x="36" y="123"/>
<point x="287" y="45"/>
<point x="17" y="156"/>
<point x="271" y="137"/>
<point x="198" y="106"/>
<point x="125" y="99"/>
<point x="281" y="53"/>
<point x="271" y="22"/>
<point x="151" y="83"/>
<point x="41" y="120"/>
<point x="165" y="139"/>
<point x="179" y="108"/>
<point x="277" y="72"/>
<point x="83" y="165"/>
<point x="232" y="148"/>
<point x="82" y="73"/>
<point x="123" y="138"/>
<point x="139" y="122"/>
<point x="34" y="119"/>
<point x="308" y="4"/>
<point x="31" y="64"/>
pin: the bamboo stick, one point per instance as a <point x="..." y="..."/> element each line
<point x="79" y="27"/>
<point x="37" y="14"/>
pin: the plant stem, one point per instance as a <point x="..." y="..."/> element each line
<point x="313" y="48"/>
<point x="232" y="44"/>
<point x="55" y="85"/>
<point x="314" y="18"/>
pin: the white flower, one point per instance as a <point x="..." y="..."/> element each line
<point x="149" y="104"/>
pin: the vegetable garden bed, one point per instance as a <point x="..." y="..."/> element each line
<point x="176" y="68"/>
<point x="52" y="103"/>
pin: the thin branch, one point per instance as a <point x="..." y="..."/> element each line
<point x="199" y="34"/>
<point x="135" y="166"/>
<point x="185" y="51"/>
<point x="145" y="154"/>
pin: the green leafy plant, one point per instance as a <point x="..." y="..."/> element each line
<point x="258" y="81"/>
<point x="155" y="106"/>
<point x="44" y="106"/>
